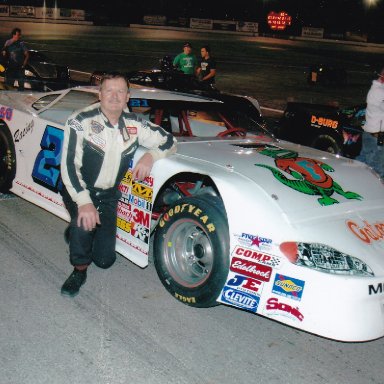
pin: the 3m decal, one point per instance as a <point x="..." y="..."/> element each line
<point x="190" y="208"/>
<point x="288" y="287"/>
<point x="323" y="122"/>
<point x="309" y="175"/>
<point x="46" y="170"/>
<point x="274" y="307"/>
<point x="367" y="233"/>
<point x="6" y="113"/>
<point x="248" y="284"/>
<point x="272" y="261"/>
<point x="21" y="133"/>
<point x="247" y="268"/>
<point x="240" y="299"/>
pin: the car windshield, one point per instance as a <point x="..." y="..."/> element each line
<point x="199" y="119"/>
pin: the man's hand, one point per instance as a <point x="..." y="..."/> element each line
<point x="143" y="167"/>
<point x="88" y="217"/>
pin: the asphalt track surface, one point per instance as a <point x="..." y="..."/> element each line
<point x="125" y="328"/>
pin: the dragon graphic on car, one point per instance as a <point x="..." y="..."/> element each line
<point x="309" y="175"/>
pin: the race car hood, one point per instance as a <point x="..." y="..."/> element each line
<point x="304" y="182"/>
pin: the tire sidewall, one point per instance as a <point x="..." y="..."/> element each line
<point x="198" y="209"/>
<point x="6" y="141"/>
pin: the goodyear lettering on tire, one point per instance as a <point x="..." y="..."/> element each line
<point x="188" y="208"/>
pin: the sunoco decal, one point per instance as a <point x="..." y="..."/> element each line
<point x="240" y="299"/>
<point x="288" y="287"/>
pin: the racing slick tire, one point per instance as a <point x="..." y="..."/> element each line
<point x="328" y="142"/>
<point x="191" y="250"/>
<point x="7" y="158"/>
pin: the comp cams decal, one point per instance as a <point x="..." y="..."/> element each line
<point x="243" y="252"/>
<point x="302" y="174"/>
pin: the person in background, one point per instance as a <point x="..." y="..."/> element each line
<point x="206" y="70"/>
<point x="186" y="61"/>
<point x="99" y="144"/>
<point x="17" y="55"/>
<point x="372" y="152"/>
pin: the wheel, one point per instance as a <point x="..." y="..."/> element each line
<point x="191" y="250"/>
<point x="7" y="158"/>
<point x="327" y="142"/>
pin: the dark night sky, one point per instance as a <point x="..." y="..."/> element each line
<point x="334" y="14"/>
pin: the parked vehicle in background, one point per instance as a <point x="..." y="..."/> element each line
<point x="324" y="127"/>
<point x="41" y="74"/>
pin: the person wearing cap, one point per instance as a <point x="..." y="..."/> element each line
<point x="186" y="61"/>
<point x="372" y="152"/>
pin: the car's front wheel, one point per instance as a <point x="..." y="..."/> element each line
<point x="191" y="250"/>
<point x="7" y="158"/>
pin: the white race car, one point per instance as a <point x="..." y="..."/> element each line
<point x="284" y="231"/>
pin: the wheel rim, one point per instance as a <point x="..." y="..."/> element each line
<point x="188" y="253"/>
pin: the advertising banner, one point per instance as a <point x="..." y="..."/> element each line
<point x="225" y="25"/>
<point x="155" y="20"/>
<point x="21" y="11"/>
<point x="4" y="10"/>
<point x="201" y="23"/>
<point x="247" y="26"/>
<point x="312" y="32"/>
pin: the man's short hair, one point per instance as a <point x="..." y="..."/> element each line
<point x="15" y="30"/>
<point x="207" y="48"/>
<point x="114" y="75"/>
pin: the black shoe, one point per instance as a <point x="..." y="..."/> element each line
<point x="72" y="285"/>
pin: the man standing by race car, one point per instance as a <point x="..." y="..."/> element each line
<point x="207" y="67"/>
<point x="99" y="144"/>
<point x="372" y="152"/>
<point x="16" y="54"/>
<point x="186" y="61"/>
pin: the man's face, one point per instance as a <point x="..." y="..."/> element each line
<point x="203" y="52"/>
<point x="16" y="36"/>
<point x="187" y="50"/>
<point x="113" y="95"/>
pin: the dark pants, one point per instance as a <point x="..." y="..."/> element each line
<point x="97" y="246"/>
<point x="13" y="74"/>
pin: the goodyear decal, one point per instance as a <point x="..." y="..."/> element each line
<point x="191" y="209"/>
<point x="323" y="122"/>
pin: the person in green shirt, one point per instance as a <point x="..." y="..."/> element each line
<point x="186" y="61"/>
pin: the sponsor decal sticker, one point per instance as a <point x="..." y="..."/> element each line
<point x="272" y="261"/>
<point x="240" y="299"/>
<point x="190" y="208"/>
<point x="96" y="127"/>
<point x="75" y="124"/>
<point x="246" y="284"/>
<point x="274" y="307"/>
<point x="21" y="133"/>
<point x="375" y="290"/>
<point x="6" y="113"/>
<point x="367" y="233"/>
<point x="302" y="174"/>
<point x="319" y="122"/>
<point x="250" y="269"/>
<point x="132" y="130"/>
<point x="288" y="287"/>
<point x="250" y="240"/>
